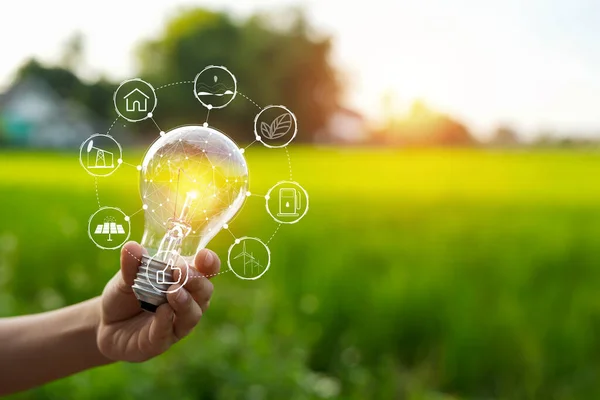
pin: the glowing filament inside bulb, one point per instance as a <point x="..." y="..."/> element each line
<point x="179" y="228"/>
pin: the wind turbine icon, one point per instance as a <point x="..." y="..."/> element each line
<point x="248" y="259"/>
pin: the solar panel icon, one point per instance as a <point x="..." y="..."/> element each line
<point x="109" y="227"/>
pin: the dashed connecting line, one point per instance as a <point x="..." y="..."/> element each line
<point x="97" y="195"/>
<point x="289" y="162"/>
<point x="128" y="252"/>
<point x="111" y="125"/>
<point x="273" y="235"/>
<point x="248" y="98"/>
<point x="211" y="275"/>
<point x="173" y="84"/>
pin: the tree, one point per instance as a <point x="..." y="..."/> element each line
<point x="423" y="126"/>
<point x="73" y="52"/>
<point x="63" y="81"/>
<point x="272" y="66"/>
<point x="504" y="136"/>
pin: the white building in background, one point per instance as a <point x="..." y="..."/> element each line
<point x="344" y="126"/>
<point x="33" y="115"/>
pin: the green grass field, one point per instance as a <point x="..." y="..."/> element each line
<point x="421" y="274"/>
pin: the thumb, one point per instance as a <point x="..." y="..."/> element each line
<point x="118" y="301"/>
<point x="131" y="258"/>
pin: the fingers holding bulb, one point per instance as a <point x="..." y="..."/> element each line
<point x="187" y="299"/>
<point x="161" y="330"/>
<point x="187" y="311"/>
<point x="131" y="258"/>
<point x="199" y="287"/>
<point x="118" y="301"/>
<point x="207" y="262"/>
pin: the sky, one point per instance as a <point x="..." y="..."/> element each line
<point x="533" y="65"/>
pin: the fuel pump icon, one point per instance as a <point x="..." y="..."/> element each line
<point x="289" y="202"/>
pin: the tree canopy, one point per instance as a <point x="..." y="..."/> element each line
<point x="272" y="64"/>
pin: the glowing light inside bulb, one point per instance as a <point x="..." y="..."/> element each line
<point x="201" y="186"/>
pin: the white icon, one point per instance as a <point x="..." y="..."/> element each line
<point x="215" y="87"/>
<point x="249" y="260"/>
<point x="279" y="127"/>
<point x="218" y="89"/>
<point x="160" y="274"/>
<point x="98" y="157"/>
<point x="135" y="100"/>
<point x="289" y="202"/>
<point x="252" y="261"/>
<point x="165" y="277"/>
<point x="275" y="126"/>
<point x="109" y="227"/>
<point x="134" y="103"/>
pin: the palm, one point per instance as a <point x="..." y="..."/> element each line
<point x="132" y="339"/>
<point x="129" y="334"/>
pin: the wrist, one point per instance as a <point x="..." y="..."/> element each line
<point x="94" y="314"/>
<point x="91" y="314"/>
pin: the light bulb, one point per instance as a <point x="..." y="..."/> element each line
<point x="194" y="179"/>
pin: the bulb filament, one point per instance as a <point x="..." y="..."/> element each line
<point x="179" y="228"/>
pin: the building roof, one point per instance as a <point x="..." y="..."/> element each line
<point x="136" y="90"/>
<point x="33" y="114"/>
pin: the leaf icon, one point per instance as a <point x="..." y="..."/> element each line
<point x="265" y="129"/>
<point x="278" y="128"/>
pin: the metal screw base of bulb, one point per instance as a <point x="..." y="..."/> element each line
<point x="149" y="294"/>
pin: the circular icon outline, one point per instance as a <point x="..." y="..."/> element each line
<point x="187" y="274"/>
<point x="210" y="106"/>
<point x="87" y="141"/>
<point x="268" y="197"/>
<point x="240" y="240"/>
<point x="149" y="114"/>
<point x="260" y="138"/>
<point x="126" y="220"/>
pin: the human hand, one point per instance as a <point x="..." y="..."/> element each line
<point x="128" y="333"/>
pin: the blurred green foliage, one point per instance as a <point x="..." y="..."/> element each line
<point x="415" y="275"/>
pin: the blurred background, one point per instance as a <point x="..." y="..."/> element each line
<point x="450" y="149"/>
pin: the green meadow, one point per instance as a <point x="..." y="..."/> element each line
<point x="417" y="274"/>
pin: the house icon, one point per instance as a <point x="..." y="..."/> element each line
<point x="136" y="100"/>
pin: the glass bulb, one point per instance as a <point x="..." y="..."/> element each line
<point x="194" y="180"/>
